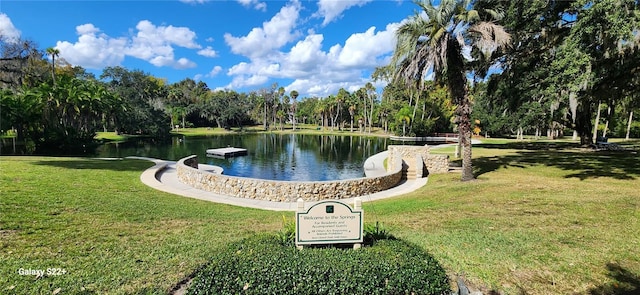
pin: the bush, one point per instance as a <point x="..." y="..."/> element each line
<point x="263" y="265"/>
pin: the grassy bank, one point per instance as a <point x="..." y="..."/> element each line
<point x="542" y="218"/>
<point x="300" y="128"/>
<point x="112" y="136"/>
<point x="287" y="129"/>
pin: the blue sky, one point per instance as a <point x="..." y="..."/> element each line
<point x="314" y="47"/>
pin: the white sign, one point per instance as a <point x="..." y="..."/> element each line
<point x="329" y="222"/>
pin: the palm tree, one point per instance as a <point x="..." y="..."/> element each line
<point x="404" y="116"/>
<point x="352" y="111"/>
<point x="294" y="95"/>
<point x="54" y="53"/>
<point x="435" y="43"/>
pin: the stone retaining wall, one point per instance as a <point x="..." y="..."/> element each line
<point x="408" y="154"/>
<point x="284" y="191"/>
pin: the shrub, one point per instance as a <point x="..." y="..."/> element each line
<point x="373" y="233"/>
<point x="263" y="265"/>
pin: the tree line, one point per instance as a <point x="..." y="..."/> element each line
<point x="50" y="103"/>
<point x="493" y="68"/>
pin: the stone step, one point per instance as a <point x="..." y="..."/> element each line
<point x="455" y="169"/>
<point x="409" y="174"/>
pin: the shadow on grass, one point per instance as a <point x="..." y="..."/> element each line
<point x="625" y="282"/>
<point x="99" y="164"/>
<point x="582" y="164"/>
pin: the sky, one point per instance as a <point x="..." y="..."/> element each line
<point x="313" y="47"/>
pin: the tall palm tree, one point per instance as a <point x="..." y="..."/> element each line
<point x="54" y="53"/>
<point x="435" y="43"/>
<point x="294" y="95"/>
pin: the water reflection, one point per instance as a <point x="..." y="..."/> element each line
<point x="296" y="157"/>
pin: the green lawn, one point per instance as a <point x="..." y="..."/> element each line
<point x="111" y="233"/>
<point x="542" y="218"/>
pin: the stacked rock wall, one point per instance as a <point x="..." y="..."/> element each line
<point x="409" y="153"/>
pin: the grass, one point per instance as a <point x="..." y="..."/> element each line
<point x="311" y="129"/>
<point x="111" y="233"/>
<point x="112" y="136"/>
<point x="542" y="218"/>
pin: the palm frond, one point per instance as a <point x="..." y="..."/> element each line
<point x="488" y="37"/>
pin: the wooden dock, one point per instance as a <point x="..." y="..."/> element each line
<point x="226" y="152"/>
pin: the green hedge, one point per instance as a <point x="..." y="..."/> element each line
<point x="264" y="265"/>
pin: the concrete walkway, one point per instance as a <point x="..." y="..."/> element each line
<point x="163" y="176"/>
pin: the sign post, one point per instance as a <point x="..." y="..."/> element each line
<point x="329" y="222"/>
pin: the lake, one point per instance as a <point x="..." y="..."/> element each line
<point x="295" y="157"/>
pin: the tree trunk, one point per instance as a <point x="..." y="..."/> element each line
<point x="413" y="116"/>
<point x="584" y="123"/>
<point x="371" y="115"/>
<point x="596" y="123"/>
<point x="573" y="106"/>
<point x="519" y="134"/>
<point x="606" y="124"/>
<point x="629" y="125"/>
<point x="465" y="140"/>
<point x="351" y="123"/>
<point x="364" y="113"/>
<point x="264" y="116"/>
<point x="457" y="82"/>
<point x="53" y="69"/>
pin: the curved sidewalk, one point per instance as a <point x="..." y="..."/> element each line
<point x="163" y="176"/>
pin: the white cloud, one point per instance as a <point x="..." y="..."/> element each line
<point x="261" y="68"/>
<point x="321" y="88"/>
<point x="256" y="4"/>
<point x="149" y="35"/>
<point x="86" y="29"/>
<point x="215" y="71"/>
<point x="240" y="69"/>
<point x="154" y="44"/>
<point x="184" y="63"/>
<point x="341" y="66"/>
<point x="319" y="72"/>
<point x="332" y="9"/>
<point x="243" y="81"/>
<point x="194" y="1"/>
<point x="307" y="54"/>
<point x="208" y="52"/>
<point x="273" y="34"/>
<point x="363" y="49"/>
<point x="93" y="50"/>
<point x="168" y="61"/>
<point x="8" y="32"/>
